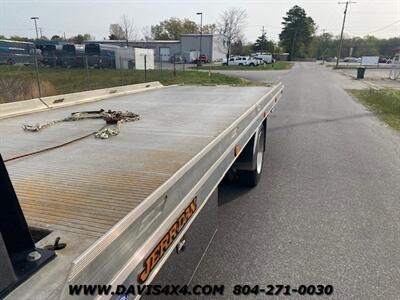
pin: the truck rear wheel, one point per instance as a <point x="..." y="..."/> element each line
<point x="251" y="178"/>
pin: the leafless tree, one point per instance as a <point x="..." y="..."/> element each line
<point x="128" y="28"/>
<point x="125" y="30"/>
<point x="146" y="33"/>
<point x="230" y="26"/>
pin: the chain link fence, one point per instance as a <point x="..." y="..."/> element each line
<point x="30" y="76"/>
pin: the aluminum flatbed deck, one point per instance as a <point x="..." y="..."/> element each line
<point x="88" y="186"/>
<point x="81" y="190"/>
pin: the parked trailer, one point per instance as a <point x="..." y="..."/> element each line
<point x="100" y="55"/>
<point x="73" y="56"/>
<point x="124" y="58"/>
<point x="138" y="208"/>
<point x="51" y="55"/>
<point x="16" y="52"/>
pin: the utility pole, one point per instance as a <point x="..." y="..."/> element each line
<point x="41" y="33"/>
<point x="201" y="33"/>
<point x="34" y="19"/>
<point x="341" y="34"/>
<point x="36" y="63"/>
<point x="323" y="46"/>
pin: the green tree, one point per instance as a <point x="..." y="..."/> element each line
<point x="158" y="33"/>
<point x="209" y="28"/>
<point x="20" y="38"/>
<point x="386" y="46"/>
<point x="261" y="43"/>
<point x="80" y="38"/>
<point x="323" y="45"/>
<point x="237" y="48"/>
<point x="2" y="37"/>
<point x="297" y="33"/>
<point x="116" y="32"/>
<point x="326" y="45"/>
<point x="173" y="28"/>
<point x="56" y="38"/>
<point x="271" y="47"/>
<point x="247" y="49"/>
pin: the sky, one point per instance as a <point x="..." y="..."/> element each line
<point x="377" y="17"/>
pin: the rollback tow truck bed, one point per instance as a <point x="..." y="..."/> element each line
<point x="122" y="205"/>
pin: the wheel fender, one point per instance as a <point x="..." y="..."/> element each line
<point x="245" y="161"/>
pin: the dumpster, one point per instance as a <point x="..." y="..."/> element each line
<point x="360" y="72"/>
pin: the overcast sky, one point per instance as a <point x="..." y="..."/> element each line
<point x="378" y="17"/>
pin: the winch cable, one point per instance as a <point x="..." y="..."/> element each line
<point x="115" y="118"/>
<point x="50" y="148"/>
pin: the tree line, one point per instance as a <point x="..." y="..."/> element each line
<point x="326" y="45"/>
<point x="77" y="39"/>
<point x="298" y="38"/>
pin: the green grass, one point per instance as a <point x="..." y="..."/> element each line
<point x="280" y="65"/>
<point x="19" y="82"/>
<point x="384" y="103"/>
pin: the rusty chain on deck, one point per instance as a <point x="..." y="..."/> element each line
<point x="113" y="120"/>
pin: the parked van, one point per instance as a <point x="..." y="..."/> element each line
<point x="242" y="61"/>
<point x="266" y="58"/>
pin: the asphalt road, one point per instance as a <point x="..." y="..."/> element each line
<point x="327" y="210"/>
<point x="264" y="76"/>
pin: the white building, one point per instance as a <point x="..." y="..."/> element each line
<point x="186" y="46"/>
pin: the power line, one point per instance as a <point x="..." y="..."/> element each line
<point x="373" y="31"/>
<point x="382" y="28"/>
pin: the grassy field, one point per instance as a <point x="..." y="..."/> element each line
<point x="385" y="103"/>
<point x="19" y="82"/>
<point x="280" y="65"/>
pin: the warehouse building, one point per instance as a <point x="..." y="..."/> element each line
<point x="187" y="46"/>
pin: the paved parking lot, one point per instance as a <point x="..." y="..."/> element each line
<point x="378" y="78"/>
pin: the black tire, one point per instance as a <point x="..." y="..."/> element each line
<point x="252" y="65"/>
<point x="250" y="178"/>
